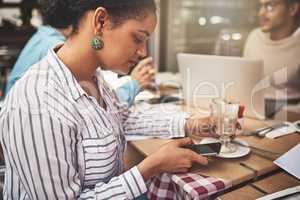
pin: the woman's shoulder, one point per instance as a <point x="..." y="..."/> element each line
<point x="40" y="91"/>
<point x="37" y="80"/>
<point x="32" y="84"/>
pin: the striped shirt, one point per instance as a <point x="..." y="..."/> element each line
<point x="60" y="144"/>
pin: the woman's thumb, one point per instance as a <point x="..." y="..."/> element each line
<point x="184" y="141"/>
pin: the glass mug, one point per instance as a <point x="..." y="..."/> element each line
<point x="226" y="115"/>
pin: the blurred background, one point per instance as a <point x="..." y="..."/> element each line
<point x="217" y="27"/>
<point x="194" y="26"/>
<point x="17" y="24"/>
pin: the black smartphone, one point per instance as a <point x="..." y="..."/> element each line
<point x="210" y="149"/>
<point x="164" y="99"/>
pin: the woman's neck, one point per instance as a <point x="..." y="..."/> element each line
<point x="79" y="58"/>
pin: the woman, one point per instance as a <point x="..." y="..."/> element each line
<point x="62" y="127"/>
<point x="57" y="27"/>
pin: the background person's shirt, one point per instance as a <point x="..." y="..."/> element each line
<point x="38" y="46"/>
<point x="126" y="88"/>
<point x="35" y="49"/>
<point x="277" y="55"/>
<point x="60" y="144"/>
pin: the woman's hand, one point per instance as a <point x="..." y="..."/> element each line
<point x="205" y="127"/>
<point x="170" y="158"/>
<point x="144" y="72"/>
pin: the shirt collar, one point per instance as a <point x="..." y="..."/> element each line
<point x="65" y="75"/>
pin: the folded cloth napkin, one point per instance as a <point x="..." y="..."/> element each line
<point x="288" y="129"/>
<point x="186" y="186"/>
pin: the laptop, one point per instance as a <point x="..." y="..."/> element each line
<point x="205" y="77"/>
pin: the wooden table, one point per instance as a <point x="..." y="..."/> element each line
<point x="240" y="171"/>
<point x="275" y="183"/>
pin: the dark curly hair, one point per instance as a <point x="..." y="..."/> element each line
<point x="63" y="13"/>
<point x="56" y="13"/>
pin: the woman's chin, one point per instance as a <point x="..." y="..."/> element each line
<point x="118" y="70"/>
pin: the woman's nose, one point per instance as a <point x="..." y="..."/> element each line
<point x="142" y="51"/>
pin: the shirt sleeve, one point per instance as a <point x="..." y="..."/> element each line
<point x="43" y="152"/>
<point x="128" y="91"/>
<point x="34" y="51"/>
<point x="129" y="185"/>
<point x="154" y="124"/>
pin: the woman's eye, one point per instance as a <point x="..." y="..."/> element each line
<point x="138" y="40"/>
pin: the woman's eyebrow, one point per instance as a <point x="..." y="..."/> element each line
<point x="145" y="32"/>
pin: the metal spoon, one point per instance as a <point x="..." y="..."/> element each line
<point x="263" y="131"/>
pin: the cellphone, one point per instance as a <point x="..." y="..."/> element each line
<point x="164" y="99"/>
<point x="209" y="149"/>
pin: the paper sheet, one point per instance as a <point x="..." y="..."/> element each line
<point x="290" y="161"/>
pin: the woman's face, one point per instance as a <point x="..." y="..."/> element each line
<point x="126" y="44"/>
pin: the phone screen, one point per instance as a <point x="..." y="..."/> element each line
<point x="205" y="149"/>
<point x="164" y="99"/>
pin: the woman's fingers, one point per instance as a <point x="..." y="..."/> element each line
<point x="147" y="76"/>
<point x="181" y="170"/>
<point x="180" y="160"/>
<point x="182" y="142"/>
<point x="145" y="70"/>
<point x="146" y="81"/>
<point x="144" y="62"/>
<point x="197" y="158"/>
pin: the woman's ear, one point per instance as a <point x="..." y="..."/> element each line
<point x="100" y="20"/>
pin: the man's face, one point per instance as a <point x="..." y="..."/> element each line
<point x="272" y="15"/>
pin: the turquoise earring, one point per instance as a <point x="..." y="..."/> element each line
<point x="97" y="43"/>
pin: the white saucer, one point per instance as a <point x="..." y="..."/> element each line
<point x="240" y="150"/>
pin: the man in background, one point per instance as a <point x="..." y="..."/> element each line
<point x="277" y="43"/>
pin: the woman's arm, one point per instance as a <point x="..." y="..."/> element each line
<point x="162" y="124"/>
<point x="150" y="123"/>
<point x="43" y="152"/>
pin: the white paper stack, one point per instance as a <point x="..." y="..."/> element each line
<point x="290" y="161"/>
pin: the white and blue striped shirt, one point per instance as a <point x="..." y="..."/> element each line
<point x="59" y="143"/>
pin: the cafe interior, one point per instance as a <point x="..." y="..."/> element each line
<point x="209" y="61"/>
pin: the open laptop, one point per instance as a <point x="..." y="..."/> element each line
<point x="205" y="77"/>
